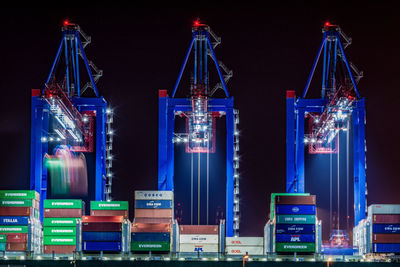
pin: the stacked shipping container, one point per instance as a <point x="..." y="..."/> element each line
<point x="151" y="229"/>
<point x="62" y="225"/>
<point x="109" y="208"/>
<point x="295" y="223"/>
<point x="198" y="238"/>
<point x="243" y="245"/>
<point x="20" y="226"/>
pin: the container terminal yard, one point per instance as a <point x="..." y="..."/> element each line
<point x="192" y="209"/>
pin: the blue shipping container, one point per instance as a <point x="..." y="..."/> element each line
<point x="3" y="246"/>
<point x="164" y="237"/>
<point x="153" y="204"/>
<point x="295" y="228"/>
<point x="386" y="228"/>
<point x="101" y="236"/>
<point x="386" y="248"/>
<point x="307" y="238"/>
<point x="101" y="246"/>
<point x="14" y="220"/>
<point x="295" y="209"/>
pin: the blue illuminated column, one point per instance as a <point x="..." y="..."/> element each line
<point x="290" y="141"/>
<point x="230" y="126"/>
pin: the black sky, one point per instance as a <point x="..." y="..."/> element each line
<point x="270" y="50"/>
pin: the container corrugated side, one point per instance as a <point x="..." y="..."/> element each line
<point x="17" y="238"/>
<point x="59" y="249"/>
<point x="16" y="246"/>
<point x="383" y="209"/>
<point x="153" y="220"/>
<point x="272" y="202"/>
<point x="17" y="211"/>
<point x="386" y="238"/>
<point x="19" y="203"/>
<point x="295" y="200"/>
<point x="101" y="236"/>
<point x="123" y="213"/>
<point x="3" y="238"/>
<point x="49" y="230"/>
<point x="150" y="228"/>
<point x="3" y="246"/>
<point x="101" y="227"/>
<point x="60" y="221"/>
<point x="386" y="248"/>
<point x="154" y="213"/>
<point x="295" y="238"/>
<point x="19" y="194"/>
<point x="109" y="205"/>
<point x="14" y="220"/>
<point x="198" y="229"/>
<point x="62" y="213"/>
<point x="154" y="195"/>
<point x="101" y="246"/>
<point x="295" y="247"/>
<point x="295" y="209"/>
<point x="386" y="218"/>
<point x="63" y="204"/>
<point x="295" y="228"/>
<point x="150" y="246"/>
<point x="198" y="239"/>
<point x="13" y="229"/>
<point x="198" y="248"/>
<point x="242" y="250"/>
<point x="164" y="237"/>
<point x="244" y="241"/>
<point x="59" y="240"/>
<point x="297" y="219"/>
<point x="115" y="219"/>
<point x="153" y="204"/>
<point x="378" y="228"/>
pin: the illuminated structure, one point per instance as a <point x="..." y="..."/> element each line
<point x="340" y="104"/>
<point x="201" y="110"/>
<point x="67" y="113"/>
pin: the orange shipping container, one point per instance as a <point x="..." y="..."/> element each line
<point x="150" y="228"/>
<point x="17" y="238"/>
<point x="153" y="213"/>
<point x="153" y="220"/>
<point x="16" y="211"/>
<point x="58" y="249"/>
<point x="198" y="229"/>
<point x="114" y="219"/>
<point x="124" y="213"/>
<point x="16" y="246"/>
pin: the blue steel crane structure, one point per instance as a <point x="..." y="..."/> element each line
<point x="340" y="103"/>
<point x="200" y="109"/>
<point x="83" y="119"/>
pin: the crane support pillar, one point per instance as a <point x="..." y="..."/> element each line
<point x="290" y="141"/>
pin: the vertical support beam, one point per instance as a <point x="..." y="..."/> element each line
<point x="39" y="129"/>
<point x="358" y="116"/>
<point x="170" y="147"/>
<point x="290" y="135"/>
<point x="230" y="128"/>
<point x="101" y="133"/>
<point x="162" y="140"/>
<point x="299" y="150"/>
<point x="66" y="63"/>
<point x="78" y="86"/>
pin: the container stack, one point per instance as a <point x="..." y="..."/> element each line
<point x="385" y="221"/>
<point x="102" y="233"/>
<point x="198" y="238"/>
<point x="295" y="223"/>
<point x="20" y="220"/>
<point x="151" y="229"/>
<point x="243" y="245"/>
<point x="62" y="225"/>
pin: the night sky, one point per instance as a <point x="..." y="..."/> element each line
<point x="270" y="50"/>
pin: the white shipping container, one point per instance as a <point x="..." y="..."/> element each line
<point x="198" y="248"/>
<point x="154" y="195"/>
<point x="198" y="239"/>
<point x="244" y="241"/>
<point x="383" y="209"/>
<point x="241" y="250"/>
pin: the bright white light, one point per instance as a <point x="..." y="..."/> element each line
<point x="167" y="259"/>
<point x="306" y="140"/>
<point x="59" y="133"/>
<point x="229" y="259"/>
<point x="51" y="139"/>
<point x="58" y="139"/>
<point x="110" y="132"/>
<point x="216" y="259"/>
<point x="109" y="174"/>
<point x="236" y="132"/>
<point x="44" y="139"/>
<point x="109" y="110"/>
<point x="85" y="119"/>
<point x="185" y="140"/>
<point x="178" y="140"/>
<point x="236" y="175"/>
<point x="236" y="158"/>
<point x="110" y="157"/>
<point x="181" y="259"/>
<point x="313" y="140"/>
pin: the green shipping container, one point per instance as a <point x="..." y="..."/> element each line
<point x="2" y="246"/>
<point x="150" y="246"/>
<point x="295" y="219"/>
<point x="59" y="231"/>
<point x="18" y="203"/>
<point x="13" y="229"/>
<point x="19" y="194"/>
<point x="60" y="221"/>
<point x="109" y="205"/>
<point x="62" y="204"/>
<point x="272" y="203"/>
<point x="3" y="238"/>
<point x="59" y="240"/>
<point x="295" y="247"/>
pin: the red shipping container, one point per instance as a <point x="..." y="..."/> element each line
<point x="16" y="211"/>
<point x="198" y="229"/>
<point x="153" y="220"/>
<point x="16" y="246"/>
<point x="58" y="249"/>
<point x="17" y="238"/>
<point x="386" y="238"/>
<point x="150" y="228"/>
<point x="101" y="227"/>
<point x="153" y="213"/>
<point x="123" y="213"/>
<point x="111" y="219"/>
<point x="386" y="218"/>
<point x="62" y="213"/>
<point x="295" y="200"/>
